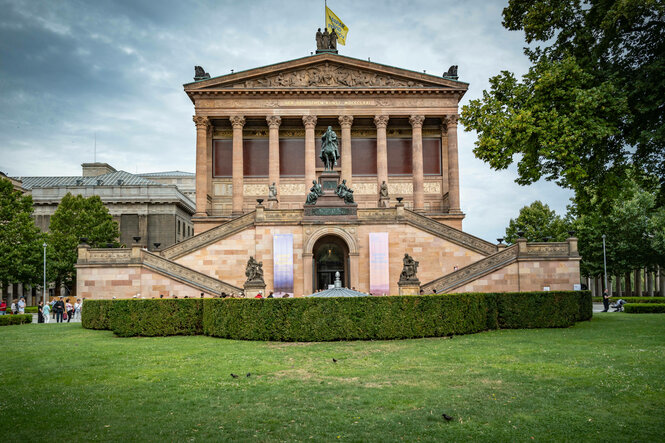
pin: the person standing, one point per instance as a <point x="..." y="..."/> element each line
<point x="70" y="311"/>
<point x="606" y="300"/>
<point x="14" y="308"/>
<point x="59" y="309"/>
<point x="21" y="305"/>
<point x="47" y="312"/>
<point x="3" y="307"/>
<point x="40" y="312"/>
<point x="77" y="309"/>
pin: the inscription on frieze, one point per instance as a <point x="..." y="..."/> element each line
<point x="329" y="212"/>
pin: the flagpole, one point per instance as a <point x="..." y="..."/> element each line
<point x="325" y="15"/>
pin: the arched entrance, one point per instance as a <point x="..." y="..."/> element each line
<point x="330" y="254"/>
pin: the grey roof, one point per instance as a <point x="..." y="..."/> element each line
<point x="168" y="174"/>
<point x="110" y="179"/>
<point x="338" y="291"/>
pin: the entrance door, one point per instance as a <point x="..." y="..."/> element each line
<point x="330" y="256"/>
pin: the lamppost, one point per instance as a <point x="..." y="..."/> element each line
<point x="44" y="286"/>
<point x="605" y="264"/>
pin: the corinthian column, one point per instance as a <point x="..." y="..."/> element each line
<point x="273" y="148"/>
<point x="345" y="122"/>
<point x="453" y="167"/>
<point x="381" y="122"/>
<point x="417" y="161"/>
<point x="238" y="122"/>
<point x="203" y="127"/>
<point x="310" y="147"/>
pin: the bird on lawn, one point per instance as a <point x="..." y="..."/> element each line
<point x="446" y="416"/>
<point x="249" y="374"/>
<point x="234" y="375"/>
<point x="334" y="360"/>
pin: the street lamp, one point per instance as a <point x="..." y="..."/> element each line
<point x="605" y="264"/>
<point x="44" y="286"/>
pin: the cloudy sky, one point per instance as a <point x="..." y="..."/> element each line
<point x="72" y="70"/>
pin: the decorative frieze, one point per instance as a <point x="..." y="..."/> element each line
<point x="364" y="188"/>
<point x="255" y="190"/>
<point x="292" y="189"/>
<point x="400" y="189"/>
<point x="432" y="187"/>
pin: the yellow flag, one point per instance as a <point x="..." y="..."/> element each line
<point x="333" y="22"/>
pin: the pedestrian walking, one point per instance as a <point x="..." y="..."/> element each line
<point x="21" y="305"/>
<point x="70" y="311"/>
<point x="40" y="312"/>
<point x="47" y="313"/>
<point x="3" y="307"/>
<point x="606" y="300"/>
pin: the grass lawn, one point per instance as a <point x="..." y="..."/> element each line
<point x="600" y="380"/>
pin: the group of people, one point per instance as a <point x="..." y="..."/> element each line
<point x="17" y="307"/>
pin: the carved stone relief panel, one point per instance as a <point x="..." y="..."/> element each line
<point x="222" y="189"/>
<point x="400" y="189"/>
<point x="364" y="188"/>
<point x="432" y="187"/>
<point x="292" y="189"/>
<point x="255" y="190"/>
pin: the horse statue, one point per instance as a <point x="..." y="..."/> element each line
<point x="329" y="149"/>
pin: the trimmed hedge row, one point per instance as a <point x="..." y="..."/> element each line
<point x="18" y="319"/>
<point x="327" y="319"/>
<point x="632" y="299"/>
<point x="151" y="318"/>
<point x="644" y="308"/>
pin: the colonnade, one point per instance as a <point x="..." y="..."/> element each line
<point x="204" y="156"/>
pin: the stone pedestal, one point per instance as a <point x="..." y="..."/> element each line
<point x="384" y="202"/>
<point x="329" y="206"/>
<point x="272" y="203"/>
<point x="252" y="288"/>
<point x="409" y="287"/>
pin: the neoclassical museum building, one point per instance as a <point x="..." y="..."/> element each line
<point x="263" y="194"/>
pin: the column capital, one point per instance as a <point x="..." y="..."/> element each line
<point x="274" y="121"/>
<point x="450" y="120"/>
<point x="237" y="121"/>
<point x="417" y="121"/>
<point x="345" y="121"/>
<point x="309" y="121"/>
<point x="444" y="128"/>
<point x="201" y="122"/>
<point x="381" y="121"/>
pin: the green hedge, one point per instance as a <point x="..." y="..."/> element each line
<point x="632" y="299"/>
<point x="95" y="314"/>
<point x="327" y="319"/>
<point x="18" y="319"/>
<point x="644" y="308"/>
<point x="150" y="318"/>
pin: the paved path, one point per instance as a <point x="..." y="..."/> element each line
<point x="52" y="320"/>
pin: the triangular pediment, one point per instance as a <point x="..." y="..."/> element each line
<point x="326" y="71"/>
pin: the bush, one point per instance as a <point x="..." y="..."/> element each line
<point x="366" y="318"/>
<point x="327" y="319"/>
<point x="525" y="310"/>
<point x="644" y="308"/>
<point x="95" y="314"/>
<point x="18" y="319"/>
<point x="632" y="299"/>
<point x="150" y="318"/>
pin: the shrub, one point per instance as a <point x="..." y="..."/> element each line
<point x="585" y="306"/>
<point x="150" y="318"/>
<point x="633" y="299"/>
<point x="645" y="308"/>
<point x="95" y="314"/>
<point x="552" y="309"/>
<point x="18" y="319"/>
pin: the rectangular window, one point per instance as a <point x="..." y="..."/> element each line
<point x="363" y="156"/>
<point x="399" y="156"/>
<point x="255" y="157"/>
<point x="292" y="157"/>
<point x="432" y="156"/>
<point x="222" y="158"/>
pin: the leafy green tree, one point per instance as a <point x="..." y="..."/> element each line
<point x="537" y="221"/>
<point x="20" y="239"/>
<point x="77" y="217"/>
<point x="590" y="104"/>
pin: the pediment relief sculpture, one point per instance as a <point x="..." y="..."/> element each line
<point x="328" y="75"/>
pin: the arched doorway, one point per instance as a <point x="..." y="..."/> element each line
<point x="330" y="254"/>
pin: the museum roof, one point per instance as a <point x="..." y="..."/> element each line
<point x="325" y="56"/>
<point x="110" y="179"/>
<point x="168" y="174"/>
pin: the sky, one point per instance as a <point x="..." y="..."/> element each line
<point x="75" y="74"/>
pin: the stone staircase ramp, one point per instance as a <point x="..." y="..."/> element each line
<point x="473" y="271"/>
<point x="188" y="276"/>
<point x="448" y="233"/>
<point x="208" y="237"/>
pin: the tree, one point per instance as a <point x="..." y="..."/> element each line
<point x="77" y="217"/>
<point x="590" y="104"/>
<point x="537" y="221"/>
<point x="20" y="239"/>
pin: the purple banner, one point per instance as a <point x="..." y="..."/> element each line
<point x="379" y="270"/>
<point x="282" y="250"/>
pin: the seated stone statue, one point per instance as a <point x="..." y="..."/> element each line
<point x="314" y="194"/>
<point x="344" y="192"/>
<point x="254" y="270"/>
<point x="409" y="269"/>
